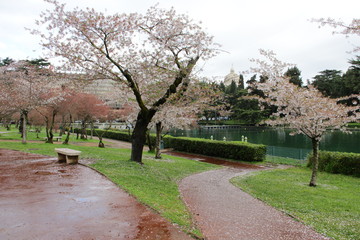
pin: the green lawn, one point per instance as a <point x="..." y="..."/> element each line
<point x="332" y="208"/>
<point x="154" y="183"/>
<point x="284" y="160"/>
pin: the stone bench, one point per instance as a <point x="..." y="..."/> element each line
<point x="54" y="138"/>
<point x="68" y="155"/>
<point x="57" y="138"/>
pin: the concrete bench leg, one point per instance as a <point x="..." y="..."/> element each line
<point x="72" y="159"/>
<point x="61" y="158"/>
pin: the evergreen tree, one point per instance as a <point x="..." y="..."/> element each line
<point x="351" y="78"/>
<point x="222" y="87"/>
<point x="231" y="94"/>
<point x="241" y="84"/>
<point x="252" y="85"/>
<point x="329" y="83"/>
<point x="247" y="110"/>
<point x="232" y="88"/>
<point x="41" y="62"/>
<point x="6" y="61"/>
<point x="263" y="78"/>
<point x="294" y="75"/>
<point x="251" y="80"/>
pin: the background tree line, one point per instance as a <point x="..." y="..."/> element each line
<point x="331" y="83"/>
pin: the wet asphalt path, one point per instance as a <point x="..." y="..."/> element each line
<point x="42" y="199"/>
<point x="223" y="211"/>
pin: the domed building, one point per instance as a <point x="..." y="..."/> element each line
<point x="232" y="76"/>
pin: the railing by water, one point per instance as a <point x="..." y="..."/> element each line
<point x="296" y="153"/>
<point x="220" y="126"/>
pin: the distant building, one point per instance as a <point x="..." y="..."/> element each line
<point x="232" y="76"/>
<point x="106" y="90"/>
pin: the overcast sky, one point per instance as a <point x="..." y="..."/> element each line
<point x="242" y="27"/>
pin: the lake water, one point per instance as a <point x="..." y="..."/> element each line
<point x="278" y="140"/>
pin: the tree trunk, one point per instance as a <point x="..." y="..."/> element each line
<point x="20" y="124"/>
<point x="37" y="130"/>
<point x="69" y="130"/>
<point x="50" y="135"/>
<point x="66" y="141"/>
<point x="139" y="135"/>
<point x="158" y="140"/>
<point x="23" y="133"/>
<point x="63" y="126"/>
<point x="7" y="126"/>
<point x="315" y="162"/>
<point x="101" y="144"/>
<point x="83" y="130"/>
<point x="149" y="143"/>
<point x="47" y="130"/>
<point x="92" y="129"/>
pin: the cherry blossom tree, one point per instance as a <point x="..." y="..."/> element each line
<point x="6" y="111"/>
<point x="112" y="115"/>
<point x="305" y="110"/>
<point x="172" y="116"/>
<point x="23" y="83"/>
<point x="36" y="121"/>
<point x="67" y="111"/>
<point x="151" y="53"/>
<point x="352" y="28"/>
<point x="184" y="109"/>
<point x="87" y="109"/>
<point x="51" y="104"/>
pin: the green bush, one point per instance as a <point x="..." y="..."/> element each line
<point x="338" y="162"/>
<point x="354" y="125"/>
<point x="112" y="134"/>
<point x="233" y="150"/>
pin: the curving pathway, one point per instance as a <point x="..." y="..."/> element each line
<point x="222" y="211"/>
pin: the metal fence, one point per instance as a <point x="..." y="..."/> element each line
<point x="287" y="152"/>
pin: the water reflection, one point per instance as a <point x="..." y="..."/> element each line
<point x="278" y="140"/>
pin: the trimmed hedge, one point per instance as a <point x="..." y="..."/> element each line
<point x="112" y="134"/>
<point x="338" y="162"/>
<point x="233" y="150"/>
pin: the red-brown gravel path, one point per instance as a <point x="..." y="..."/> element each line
<point x="42" y="199"/>
<point x="222" y="211"/>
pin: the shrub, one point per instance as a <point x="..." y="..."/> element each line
<point x="233" y="150"/>
<point x="112" y="134"/>
<point x="338" y="162"/>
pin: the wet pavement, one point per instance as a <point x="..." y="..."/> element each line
<point x="42" y="199"/>
<point x="216" y="161"/>
<point x="223" y="211"/>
